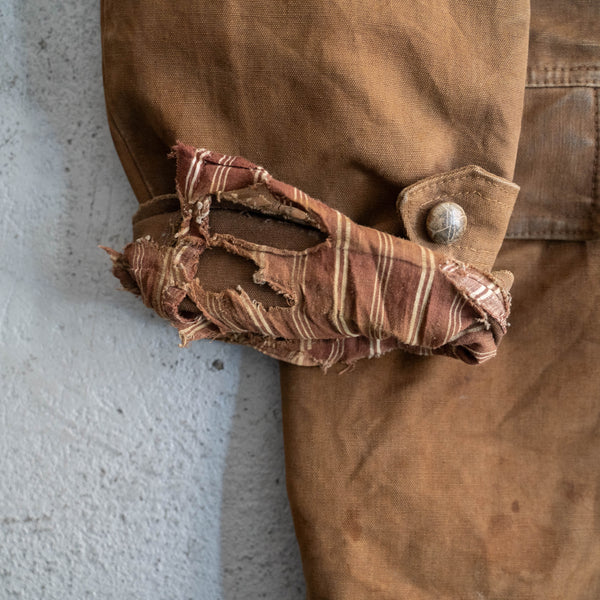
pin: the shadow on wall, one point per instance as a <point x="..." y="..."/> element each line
<point x="80" y="198"/>
<point x="259" y="552"/>
<point x="84" y="198"/>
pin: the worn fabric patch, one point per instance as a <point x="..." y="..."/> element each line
<point x="358" y="293"/>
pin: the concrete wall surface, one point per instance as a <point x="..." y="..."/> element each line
<point x="131" y="469"/>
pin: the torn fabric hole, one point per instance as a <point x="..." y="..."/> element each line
<point x="354" y="292"/>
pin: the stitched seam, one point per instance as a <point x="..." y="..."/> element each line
<point x="502" y="203"/>
<point x="559" y="68"/>
<point x="565" y="84"/>
<point x="528" y="233"/>
<point x="481" y="178"/>
<point x="479" y="250"/>
<point x="559" y="76"/>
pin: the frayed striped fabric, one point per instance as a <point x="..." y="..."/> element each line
<point x="357" y="294"/>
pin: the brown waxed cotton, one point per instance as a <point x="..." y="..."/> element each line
<point x="409" y="477"/>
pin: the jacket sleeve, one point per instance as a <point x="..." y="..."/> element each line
<point x="402" y="120"/>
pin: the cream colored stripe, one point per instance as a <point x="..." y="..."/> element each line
<point x="344" y="285"/>
<point x="328" y="361"/>
<point x="216" y="183"/>
<point x="305" y="357"/>
<point x="261" y="316"/>
<point x="336" y="273"/>
<point x="381" y="317"/>
<point x="451" y="318"/>
<point x="431" y="267"/>
<point x="488" y="354"/>
<point x="158" y="286"/>
<point x="138" y="258"/>
<point x="474" y="328"/>
<point x="417" y="300"/>
<point x="211" y="308"/>
<point x="217" y="173"/>
<point x="487" y="358"/>
<point x="226" y="175"/>
<point x="220" y="184"/>
<point x="341" y="347"/>
<point x="450" y="268"/>
<point x="253" y="309"/>
<point x="187" y="179"/>
<point x="471" y="329"/>
<point x="216" y="312"/>
<point x="177" y="259"/>
<point x="459" y="316"/>
<point x="220" y="314"/>
<point x="297" y="305"/>
<point x="375" y="287"/>
<point x="300" y="312"/>
<point x="378" y="318"/>
<point x="307" y="324"/>
<point x="302" y="359"/>
<point x="335" y="352"/>
<point x="374" y="347"/>
<point x="138" y="261"/>
<point x="249" y="309"/>
<point x="202" y="156"/>
<point x="195" y="328"/>
<point x="482" y="293"/>
<point x="259" y="174"/>
<point x="302" y="198"/>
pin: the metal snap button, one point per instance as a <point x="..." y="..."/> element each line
<point x="446" y="223"/>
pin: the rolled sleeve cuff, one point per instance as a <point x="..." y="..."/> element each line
<point x="356" y="293"/>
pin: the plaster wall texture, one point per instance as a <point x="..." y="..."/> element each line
<point x="131" y="469"/>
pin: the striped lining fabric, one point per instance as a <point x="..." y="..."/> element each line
<point x="358" y="293"/>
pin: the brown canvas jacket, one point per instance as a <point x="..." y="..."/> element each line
<point x="380" y="232"/>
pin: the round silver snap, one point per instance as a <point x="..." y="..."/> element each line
<point x="446" y="223"/>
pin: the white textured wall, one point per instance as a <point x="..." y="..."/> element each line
<point x="130" y="469"/>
